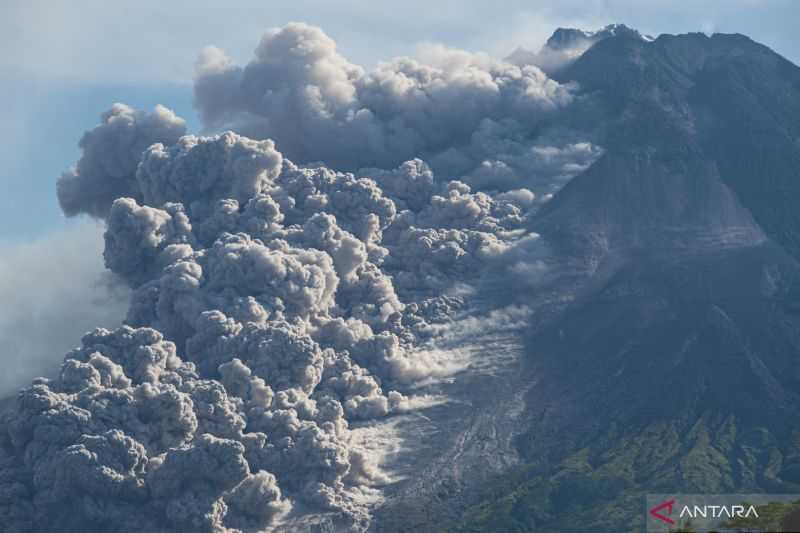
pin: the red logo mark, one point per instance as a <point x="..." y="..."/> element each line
<point x="664" y="505"/>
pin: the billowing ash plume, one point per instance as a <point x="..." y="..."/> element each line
<point x="463" y="113"/>
<point x="111" y="153"/>
<point x="274" y="303"/>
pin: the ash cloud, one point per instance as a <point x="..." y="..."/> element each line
<point x="461" y="112"/>
<point x="275" y="299"/>
<point x="110" y="155"/>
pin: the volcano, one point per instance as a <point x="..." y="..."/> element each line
<point x="675" y="364"/>
<point x="472" y="295"/>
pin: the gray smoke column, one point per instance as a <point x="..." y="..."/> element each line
<point x="275" y="302"/>
<point x="110" y="154"/>
<point x="272" y="305"/>
<point x="463" y="113"/>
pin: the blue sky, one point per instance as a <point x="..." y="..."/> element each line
<point x="63" y="65"/>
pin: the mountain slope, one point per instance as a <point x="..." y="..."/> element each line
<point x="683" y="118"/>
<point x="676" y="368"/>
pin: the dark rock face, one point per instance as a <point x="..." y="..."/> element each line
<point x="693" y="212"/>
<point x="676" y="366"/>
<point x="702" y="133"/>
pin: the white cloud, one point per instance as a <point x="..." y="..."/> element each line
<point x="52" y="290"/>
